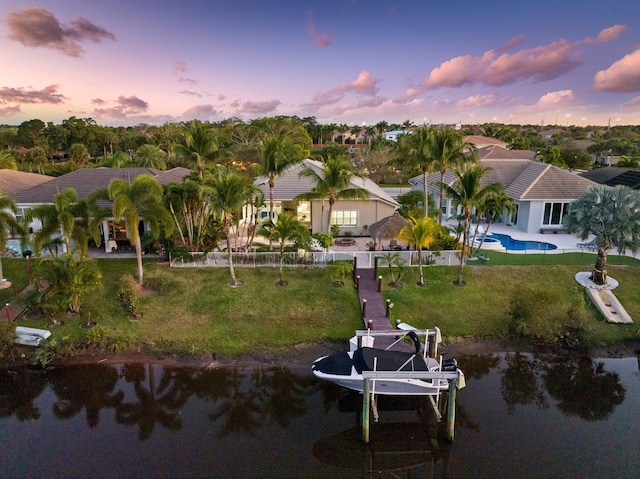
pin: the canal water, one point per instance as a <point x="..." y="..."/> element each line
<point x="541" y="416"/>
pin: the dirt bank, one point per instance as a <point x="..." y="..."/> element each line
<point x="303" y="355"/>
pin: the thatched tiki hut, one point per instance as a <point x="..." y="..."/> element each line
<point x="387" y="229"/>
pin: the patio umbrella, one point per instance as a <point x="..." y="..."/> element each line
<point x="388" y="228"/>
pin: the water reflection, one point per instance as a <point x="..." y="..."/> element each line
<point x="266" y="413"/>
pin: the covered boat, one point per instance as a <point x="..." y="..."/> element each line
<point x="401" y="371"/>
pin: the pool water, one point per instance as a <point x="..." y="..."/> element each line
<point x="518" y="245"/>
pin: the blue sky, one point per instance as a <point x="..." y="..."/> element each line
<point x="342" y="61"/>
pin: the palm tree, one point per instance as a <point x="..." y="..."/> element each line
<point x="552" y="155"/>
<point x="468" y="193"/>
<point x="449" y="150"/>
<point x="420" y="233"/>
<point x="140" y="199"/>
<point x="7" y="161"/>
<point x="151" y="156"/>
<point x="200" y="143"/>
<point x="78" y="153"/>
<point x="70" y="279"/>
<point x="416" y="151"/>
<point x="287" y="228"/>
<point x="59" y="217"/>
<point x="494" y="205"/>
<point x="229" y="193"/>
<point x="8" y="210"/>
<point x="333" y="180"/>
<point x="279" y="154"/>
<point x="613" y="216"/>
<point x="188" y="203"/>
<point x="626" y="162"/>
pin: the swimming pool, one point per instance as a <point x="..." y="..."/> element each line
<point x="518" y="245"/>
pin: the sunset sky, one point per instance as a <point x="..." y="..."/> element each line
<point x="342" y="61"/>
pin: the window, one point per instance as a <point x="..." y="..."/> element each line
<point x="344" y="218"/>
<point x="554" y="212"/>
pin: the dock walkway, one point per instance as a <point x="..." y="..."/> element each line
<point x="375" y="311"/>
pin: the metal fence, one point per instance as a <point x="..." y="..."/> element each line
<point x="367" y="259"/>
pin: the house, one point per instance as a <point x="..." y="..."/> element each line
<point x="86" y="181"/>
<point x="352" y="216"/>
<point x="542" y="192"/>
<point x="13" y="181"/>
<point x="394" y="134"/>
<point x="615" y="176"/>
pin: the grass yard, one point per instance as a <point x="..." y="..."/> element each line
<point x="205" y="315"/>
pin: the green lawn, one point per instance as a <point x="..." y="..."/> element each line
<point x="208" y="316"/>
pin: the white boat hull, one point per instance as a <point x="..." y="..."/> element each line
<point x="391" y="387"/>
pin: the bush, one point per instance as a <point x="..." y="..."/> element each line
<point x="179" y="253"/>
<point x="128" y="295"/>
<point x="163" y="282"/>
<point x="97" y="335"/>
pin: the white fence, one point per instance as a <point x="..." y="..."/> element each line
<point x="365" y="259"/>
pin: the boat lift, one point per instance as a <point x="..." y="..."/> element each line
<point x="455" y="378"/>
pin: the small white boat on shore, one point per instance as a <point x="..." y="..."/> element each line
<point x="399" y="372"/>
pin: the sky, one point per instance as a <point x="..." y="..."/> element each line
<point x="354" y="62"/>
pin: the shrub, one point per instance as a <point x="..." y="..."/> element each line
<point x="335" y="231"/>
<point x="163" y="281"/>
<point x="128" y="295"/>
<point x="97" y="335"/>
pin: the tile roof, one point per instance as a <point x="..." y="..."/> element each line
<point x="526" y="179"/>
<point x="481" y="141"/>
<point x="13" y="181"/>
<point x="87" y="180"/>
<point x="290" y="185"/>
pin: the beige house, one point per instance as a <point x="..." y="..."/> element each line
<point x="352" y="216"/>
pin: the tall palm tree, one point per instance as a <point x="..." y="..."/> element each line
<point x="229" y="194"/>
<point x="449" y="151"/>
<point x="141" y="198"/>
<point x="279" y="154"/>
<point x="189" y="205"/>
<point x="8" y="210"/>
<point x="420" y="233"/>
<point x="287" y="228"/>
<point x="333" y="181"/>
<point x="495" y="205"/>
<point x="151" y="156"/>
<point x="59" y="217"/>
<point x="468" y="193"/>
<point x="613" y="216"/>
<point x="416" y="151"/>
<point x="200" y="143"/>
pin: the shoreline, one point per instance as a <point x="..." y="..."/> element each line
<point x="303" y="355"/>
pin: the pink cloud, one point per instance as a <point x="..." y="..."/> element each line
<point x="188" y="81"/>
<point x="607" y="35"/>
<point x="10" y="111"/>
<point x="321" y="39"/>
<point x="179" y="66"/>
<point x="201" y="112"/>
<point x="36" y="27"/>
<point x="125" y="107"/>
<point x="393" y="8"/>
<point x="98" y="101"/>
<point x="545" y="62"/>
<point x="510" y="45"/>
<point x="623" y="76"/>
<point x="47" y="95"/>
<point x="190" y="93"/>
<point x="476" y="101"/>
<point x="235" y="104"/>
<point x="364" y="84"/>
<point x="632" y="104"/>
<point x="260" y="107"/>
<point x="556" y="98"/>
